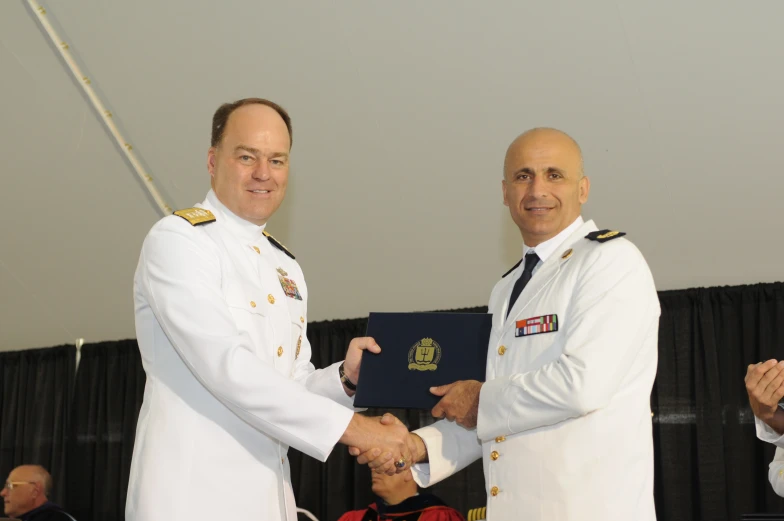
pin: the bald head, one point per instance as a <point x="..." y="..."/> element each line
<point x="36" y="474"/>
<point x="27" y="488"/>
<point x="545" y="137"/>
<point x="544" y="185"/>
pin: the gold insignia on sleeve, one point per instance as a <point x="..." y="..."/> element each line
<point x="424" y="355"/>
<point x="299" y="346"/>
<point x="196" y="216"/>
<point x="477" y="514"/>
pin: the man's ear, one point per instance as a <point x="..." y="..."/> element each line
<point x="503" y="189"/>
<point x="211" y="160"/>
<point x="585" y="188"/>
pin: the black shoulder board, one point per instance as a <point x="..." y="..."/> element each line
<point x="512" y="269"/>
<point x="196" y="216"/>
<point x="604" y="235"/>
<point x="278" y="245"/>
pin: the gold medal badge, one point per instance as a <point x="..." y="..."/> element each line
<point x="424" y="355"/>
<point x="288" y="285"/>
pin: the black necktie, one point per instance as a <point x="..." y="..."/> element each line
<point x="531" y="259"/>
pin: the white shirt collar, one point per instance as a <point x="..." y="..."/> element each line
<point x="237" y="225"/>
<point x="548" y="247"/>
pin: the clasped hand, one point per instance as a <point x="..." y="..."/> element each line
<point x="459" y="402"/>
<point x="384" y="443"/>
<point x="381" y="442"/>
<point x="765" y="386"/>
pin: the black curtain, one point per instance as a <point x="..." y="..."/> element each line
<point x="709" y="463"/>
<point x="329" y="490"/>
<point x="108" y="394"/>
<point x="35" y="397"/>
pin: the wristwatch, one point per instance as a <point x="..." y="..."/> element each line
<point x="344" y="379"/>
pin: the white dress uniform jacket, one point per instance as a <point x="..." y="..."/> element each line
<point x="564" y="426"/>
<point x="776" y="467"/>
<point x="229" y="385"/>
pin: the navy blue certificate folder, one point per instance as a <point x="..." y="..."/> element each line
<point x="419" y="351"/>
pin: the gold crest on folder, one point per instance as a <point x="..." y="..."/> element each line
<point x="424" y="355"/>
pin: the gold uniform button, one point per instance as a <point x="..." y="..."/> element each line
<point x="494" y="491"/>
<point x="270" y="299"/>
<point x="252" y="304"/>
<point x="256" y="249"/>
<point x="500" y="439"/>
<point x="283" y="460"/>
<point x="302" y="319"/>
<point x="280" y="351"/>
<point x="494" y="455"/>
<point x="502" y="350"/>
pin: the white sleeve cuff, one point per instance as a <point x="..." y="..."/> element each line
<point x="765" y="433"/>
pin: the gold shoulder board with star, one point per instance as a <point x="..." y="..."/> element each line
<point x="278" y="245"/>
<point x="196" y="216"/>
<point x="604" y="235"/>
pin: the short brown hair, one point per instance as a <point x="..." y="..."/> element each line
<point x="221" y="116"/>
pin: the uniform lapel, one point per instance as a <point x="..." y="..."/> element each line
<point x="541" y="278"/>
<point x="268" y="263"/>
<point x="235" y="248"/>
<point x="546" y="272"/>
<point x="499" y="319"/>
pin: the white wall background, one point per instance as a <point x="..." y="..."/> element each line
<point x="402" y="113"/>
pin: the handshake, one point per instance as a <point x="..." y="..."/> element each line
<point x="383" y="443"/>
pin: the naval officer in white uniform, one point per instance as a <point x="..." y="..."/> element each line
<point x="563" y="421"/>
<point x="221" y="317"/>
